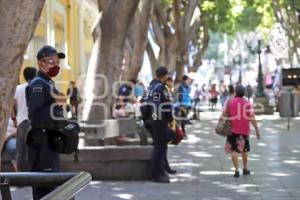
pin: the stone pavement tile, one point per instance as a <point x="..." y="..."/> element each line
<point x="277" y="198"/>
<point x="291" y="184"/>
<point x="272" y="188"/>
<point x="276" y="195"/>
<point x="130" y="190"/>
<point x="94" y="191"/>
<point x="162" y="191"/>
<point x="295" y="192"/>
<point x="243" y="196"/>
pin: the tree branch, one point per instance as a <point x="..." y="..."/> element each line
<point x="177" y="17"/>
<point x="151" y="55"/>
<point x="138" y="37"/>
<point x="190" y="9"/>
<point x="201" y="52"/>
<point x="162" y="16"/>
<point x="159" y="36"/>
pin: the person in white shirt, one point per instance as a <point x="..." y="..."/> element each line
<point x="23" y="125"/>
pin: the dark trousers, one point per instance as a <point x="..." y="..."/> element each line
<point x="171" y="136"/>
<point x="74" y="107"/>
<point x="42" y="159"/>
<point x="158" y="129"/>
<point x="22" y="155"/>
<point x="184" y="116"/>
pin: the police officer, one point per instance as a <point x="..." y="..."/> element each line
<point x="44" y="104"/>
<point x="158" y="95"/>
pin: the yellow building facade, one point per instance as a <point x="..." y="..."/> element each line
<point x="66" y="25"/>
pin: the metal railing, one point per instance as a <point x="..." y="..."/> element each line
<point x="69" y="183"/>
<point x="70" y="188"/>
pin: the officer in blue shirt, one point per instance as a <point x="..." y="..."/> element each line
<point x="161" y="100"/>
<point x="44" y="104"/>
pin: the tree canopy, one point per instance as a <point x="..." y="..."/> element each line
<point x="231" y="16"/>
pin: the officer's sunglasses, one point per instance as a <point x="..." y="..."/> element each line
<point x="52" y="61"/>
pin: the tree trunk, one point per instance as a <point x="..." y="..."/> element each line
<point x="152" y="59"/>
<point x="116" y="18"/>
<point x="179" y="71"/>
<point x="173" y="36"/>
<point x="168" y="53"/>
<point x="18" y="21"/>
<point x="139" y="31"/>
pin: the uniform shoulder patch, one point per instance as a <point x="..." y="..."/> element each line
<point x="37" y="88"/>
<point x="156" y="96"/>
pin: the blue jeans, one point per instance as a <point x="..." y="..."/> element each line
<point x="10" y="147"/>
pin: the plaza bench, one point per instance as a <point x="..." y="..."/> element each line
<point x="105" y="132"/>
<point x="105" y="162"/>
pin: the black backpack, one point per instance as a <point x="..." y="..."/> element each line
<point x="65" y="139"/>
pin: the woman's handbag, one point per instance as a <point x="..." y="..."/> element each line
<point x="224" y="128"/>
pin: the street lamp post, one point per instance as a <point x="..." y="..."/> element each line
<point x="236" y="61"/>
<point x="261" y="103"/>
<point x="240" y="68"/>
<point x="260" y="87"/>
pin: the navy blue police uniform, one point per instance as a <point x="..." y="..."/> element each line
<point x="42" y="112"/>
<point x="159" y="96"/>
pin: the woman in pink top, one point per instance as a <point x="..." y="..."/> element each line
<point x="241" y="114"/>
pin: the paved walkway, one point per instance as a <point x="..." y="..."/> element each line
<point x="205" y="172"/>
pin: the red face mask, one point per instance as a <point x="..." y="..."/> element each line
<point x="53" y="71"/>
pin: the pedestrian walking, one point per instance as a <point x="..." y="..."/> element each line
<point x="223" y="93"/>
<point x="249" y="92"/>
<point x="23" y="126"/>
<point x="45" y="109"/>
<point x="196" y="101"/>
<point x="184" y="100"/>
<point x="240" y="113"/>
<point x="74" y="99"/>
<point x="213" y="97"/>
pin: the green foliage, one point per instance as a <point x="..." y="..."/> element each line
<point x="231" y="16"/>
<point x="212" y="50"/>
<point x="207" y="5"/>
<point x="249" y="19"/>
<point x="167" y="2"/>
<point x="220" y="18"/>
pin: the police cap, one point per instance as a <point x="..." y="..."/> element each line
<point x="161" y="71"/>
<point x="49" y="51"/>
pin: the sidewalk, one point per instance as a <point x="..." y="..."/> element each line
<point x="205" y="173"/>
